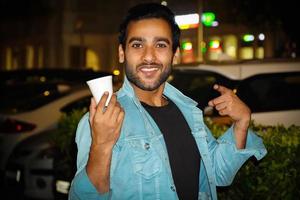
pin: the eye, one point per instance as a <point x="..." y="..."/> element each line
<point x="161" y="45"/>
<point x="136" y="45"/>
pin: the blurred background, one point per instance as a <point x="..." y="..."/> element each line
<point x="50" y="48"/>
<point x="83" y="33"/>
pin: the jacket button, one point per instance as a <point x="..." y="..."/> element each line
<point x="147" y="146"/>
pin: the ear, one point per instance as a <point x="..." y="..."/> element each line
<point x="176" y="57"/>
<point x="121" y="54"/>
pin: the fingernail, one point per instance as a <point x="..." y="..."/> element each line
<point x="216" y="86"/>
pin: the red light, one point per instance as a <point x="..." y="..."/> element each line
<point x="18" y="127"/>
<point x="14" y="126"/>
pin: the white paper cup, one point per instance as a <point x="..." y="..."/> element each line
<point x="100" y="85"/>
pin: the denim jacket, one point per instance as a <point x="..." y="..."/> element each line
<point x="140" y="168"/>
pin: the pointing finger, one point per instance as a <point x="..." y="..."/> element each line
<point x="221" y="89"/>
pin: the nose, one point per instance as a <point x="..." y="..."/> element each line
<point x="149" y="55"/>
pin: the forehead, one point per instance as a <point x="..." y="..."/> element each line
<point x="149" y="28"/>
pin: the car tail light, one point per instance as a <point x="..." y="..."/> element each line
<point x="8" y="125"/>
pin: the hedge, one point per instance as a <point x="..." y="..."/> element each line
<point x="276" y="176"/>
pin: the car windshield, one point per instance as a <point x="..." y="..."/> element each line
<point x="18" y="98"/>
<point x="198" y="84"/>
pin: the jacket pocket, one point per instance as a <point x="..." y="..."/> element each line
<point x="145" y="160"/>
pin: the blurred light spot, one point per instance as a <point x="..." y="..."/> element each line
<point x="164" y="3"/>
<point x="43" y="79"/>
<point x="215" y="24"/>
<point x="116" y="72"/>
<point x="248" y="38"/>
<point x="46" y="93"/>
<point x="234" y="91"/>
<point x="261" y="36"/>
<point x="187" y="46"/>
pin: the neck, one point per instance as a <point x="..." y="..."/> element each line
<point x="152" y="98"/>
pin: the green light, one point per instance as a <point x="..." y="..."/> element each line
<point x="248" y="38"/>
<point x="187" y="46"/>
<point x="214" y="44"/>
<point x="208" y="18"/>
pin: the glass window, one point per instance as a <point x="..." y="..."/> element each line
<point x="271" y="92"/>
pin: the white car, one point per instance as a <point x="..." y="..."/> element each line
<point x="36" y="109"/>
<point x="270" y="89"/>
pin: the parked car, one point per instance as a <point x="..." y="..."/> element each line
<point x="270" y="89"/>
<point x="36" y="163"/>
<point x="31" y="103"/>
<point x="33" y="114"/>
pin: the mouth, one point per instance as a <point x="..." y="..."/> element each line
<point x="149" y="70"/>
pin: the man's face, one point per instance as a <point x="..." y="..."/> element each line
<point x="148" y="53"/>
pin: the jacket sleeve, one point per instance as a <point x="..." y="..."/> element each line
<point x="227" y="159"/>
<point x="81" y="186"/>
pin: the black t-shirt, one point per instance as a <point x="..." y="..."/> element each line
<point x="183" y="153"/>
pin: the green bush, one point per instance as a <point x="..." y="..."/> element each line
<point x="64" y="136"/>
<point x="276" y="176"/>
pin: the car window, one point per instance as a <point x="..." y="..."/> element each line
<point x="18" y="98"/>
<point x="271" y="92"/>
<point x="198" y="85"/>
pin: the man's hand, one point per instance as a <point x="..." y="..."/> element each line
<point x="106" y="123"/>
<point x="229" y="104"/>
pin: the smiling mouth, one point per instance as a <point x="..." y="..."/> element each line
<point x="149" y="69"/>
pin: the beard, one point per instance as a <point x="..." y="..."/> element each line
<point x="137" y="81"/>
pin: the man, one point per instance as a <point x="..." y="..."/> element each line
<point x="150" y="142"/>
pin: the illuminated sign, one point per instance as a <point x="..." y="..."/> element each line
<point x="187" y="21"/>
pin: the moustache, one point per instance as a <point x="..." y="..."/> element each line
<point x="149" y="65"/>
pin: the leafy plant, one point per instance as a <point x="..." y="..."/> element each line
<point x="276" y="176"/>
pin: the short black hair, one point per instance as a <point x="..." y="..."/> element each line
<point x="148" y="11"/>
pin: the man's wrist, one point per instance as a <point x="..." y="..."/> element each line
<point x="104" y="148"/>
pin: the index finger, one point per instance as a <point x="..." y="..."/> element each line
<point x="221" y="89"/>
<point x="101" y="104"/>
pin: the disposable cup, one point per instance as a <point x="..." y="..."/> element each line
<point x="100" y="85"/>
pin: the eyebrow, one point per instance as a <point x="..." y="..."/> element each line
<point x="156" y="39"/>
<point x="162" y="39"/>
<point x="136" y="39"/>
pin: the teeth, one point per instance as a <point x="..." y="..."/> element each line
<point x="149" y="69"/>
